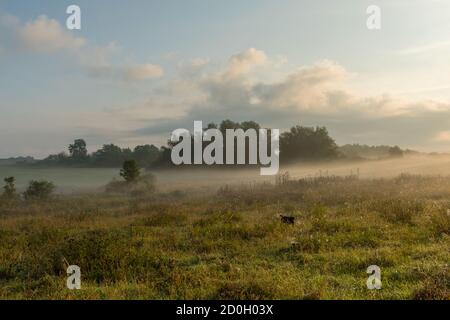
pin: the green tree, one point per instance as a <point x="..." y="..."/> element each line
<point x="78" y="149"/>
<point x="39" y="190"/>
<point x="60" y="158"/>
<point x="228" y="124"/>
<point x="109" y="155"/>
<point x="130" y="171"/>
<point x="249" y="125"/>
<point x="307" y="143"/>
<point x="9" y="190"/>
<point x="146" y="154"/>
<point x="164" y="158"/>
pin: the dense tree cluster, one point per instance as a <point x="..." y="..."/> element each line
<point x="307" y="144"/>
<point x="109" y="155"/>
<point x="299" y="143"/>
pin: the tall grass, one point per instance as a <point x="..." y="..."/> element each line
<point x="231" y="244"/>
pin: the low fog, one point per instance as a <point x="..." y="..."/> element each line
<point x="70" y="180"/>
<point x="420" y="164"/>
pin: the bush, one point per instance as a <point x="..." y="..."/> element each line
<point x="9" y="190"/>
<point x="130" y="171"/>
<point x="39" y="190"/>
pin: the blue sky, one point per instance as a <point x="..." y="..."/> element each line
<point x="139" y="69"/>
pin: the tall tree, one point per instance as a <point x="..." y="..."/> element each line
<point x="78" y="149"/>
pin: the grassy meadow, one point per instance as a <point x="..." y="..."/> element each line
<point x="229" y="243"/>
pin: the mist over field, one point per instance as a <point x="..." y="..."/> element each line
<point x="70" y="180"/>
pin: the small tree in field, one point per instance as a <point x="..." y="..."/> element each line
<point x="130" y="171"/>
<point x="39" y="190"/>
<point x="9" y="190"/>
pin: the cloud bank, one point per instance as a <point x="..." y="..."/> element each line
<point x="318" y="94"/>
<point x="47" y="36"/>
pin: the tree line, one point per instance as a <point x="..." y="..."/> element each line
<point x="298" y="143"/>
<point x="109" y="155"/>
<point x="358" y="151"/>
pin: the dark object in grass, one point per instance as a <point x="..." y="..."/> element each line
<point x="39" y="190"/>
<point x="287" y="219"/>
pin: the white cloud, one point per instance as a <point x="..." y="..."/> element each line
<point x="307" y="89"/>
<point x="321" y="89"/>
<point x="319" y="94"/>
<point x="143" y="72"/>
<point x="47" y="35"/>
<point x="243" y="62"/>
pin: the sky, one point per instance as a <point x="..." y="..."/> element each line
<point x="137" y="70"/>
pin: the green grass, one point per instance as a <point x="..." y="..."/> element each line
<point x="231" y="244"/>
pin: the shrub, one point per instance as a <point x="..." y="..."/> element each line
<point x="130" y="171"/>
<point x="39" y="190"/>
<point x="9" y="190"/>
